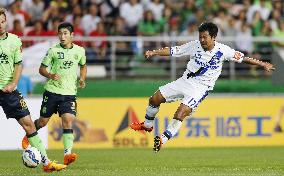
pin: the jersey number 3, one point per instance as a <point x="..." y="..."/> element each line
<point x="60" y="55"/>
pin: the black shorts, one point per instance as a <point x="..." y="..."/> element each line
<point x="14" y="105"/>
<point x="53" y="103"/>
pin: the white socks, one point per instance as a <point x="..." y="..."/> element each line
<point x="151" y="113"/>
<point x="171" y="130"/>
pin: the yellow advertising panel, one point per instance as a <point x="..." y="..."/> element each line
<point x="218" y="121"/>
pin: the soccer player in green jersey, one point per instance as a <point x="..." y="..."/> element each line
<point x="61" y="87"/>
<point x="11" y="100"/>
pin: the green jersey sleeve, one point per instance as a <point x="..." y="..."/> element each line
<point x="47" y="58"/>
<point x="83" y="57"/>
<point x="18" y="52"/>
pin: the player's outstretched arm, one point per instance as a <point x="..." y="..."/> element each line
<point x="266" y="65"/>
<point x="160" y="52"/>
<point x="43" y="71"/>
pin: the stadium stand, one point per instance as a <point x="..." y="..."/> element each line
<point x="251" y="26"/>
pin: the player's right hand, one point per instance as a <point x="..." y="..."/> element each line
<point x="268" y="67"/>
<point x="55" y="77"/>
<point x="82" y="84"/>
<point x="149" y="54"/>
<point x="9" y="88"/>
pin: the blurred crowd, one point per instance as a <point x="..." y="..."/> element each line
<point x="242" y="19"/>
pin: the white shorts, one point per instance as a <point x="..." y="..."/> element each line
<point x="189" y="92"/>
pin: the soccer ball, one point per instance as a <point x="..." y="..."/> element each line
<point x="31" y="157"/>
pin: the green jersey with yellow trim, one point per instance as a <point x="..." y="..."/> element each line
<point x="64" y="62"/>
<point x="10" y="54"/>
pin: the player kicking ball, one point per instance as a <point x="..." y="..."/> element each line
<point x="61" y="87"/>
<point x="11" y="100"/>
<point x="203" y="69"/>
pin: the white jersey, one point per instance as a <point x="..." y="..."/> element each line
<point x="204" y="67"/>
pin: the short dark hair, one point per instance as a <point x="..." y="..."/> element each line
<point x="3" y="12"/>
<point x="66" y="25"/>
<point x="210" y="27"/>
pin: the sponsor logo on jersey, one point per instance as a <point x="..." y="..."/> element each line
<point x="66" y="65"/>
<point x="212" y="64"/>
<point x="216" y="58"/>
<point x="3" y="59"/>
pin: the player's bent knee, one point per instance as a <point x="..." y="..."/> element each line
<point x="67" y="121"/>
<point x="157" y="99"/>
<point x="154" y="101"/>
<point x="182" y="112"/>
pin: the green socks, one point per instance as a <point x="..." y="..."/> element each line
<point x="68" y="139"/>
<point x="36" y="142"/>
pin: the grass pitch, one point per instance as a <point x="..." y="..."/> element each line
<point x="168" y="162"/>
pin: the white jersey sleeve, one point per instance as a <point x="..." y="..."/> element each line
<point x="232" y="55"/>
<point x="182" y="50"/>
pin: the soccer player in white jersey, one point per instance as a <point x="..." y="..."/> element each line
<point x="203" y="69"/>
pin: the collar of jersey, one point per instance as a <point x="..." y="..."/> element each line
<point x="5" y="37"/>
<point x="66" y="48"/>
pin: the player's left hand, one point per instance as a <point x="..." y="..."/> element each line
<point x="268" y="67"/>
<point x="82" y="83"/>
<point x="9" y="88"/>
<point x="149" y="54"/>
